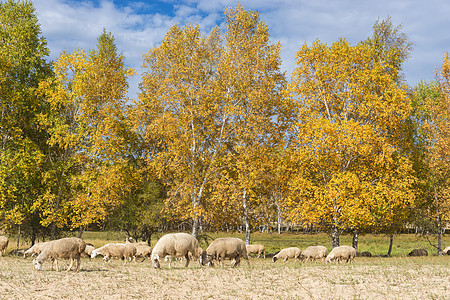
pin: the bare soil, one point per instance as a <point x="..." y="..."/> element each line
<point x="366" y="278"/>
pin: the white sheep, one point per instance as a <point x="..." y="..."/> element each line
<point x="88" y="250"/>
<point x="225" y="248"/>
<point x="115" y="250"/>
<point x="3" y="244"/>
<point x="286" y="253"/>
<point x="176" y="245"/>
<point x="313" y="253"/>
<point x="446" y="250"/>
<point x="36" y="249"/>
<point x="256" y="249"/>
<point x="346" y="253"/>
<point x="63" y="248"/>
<point x="143" y="251"/>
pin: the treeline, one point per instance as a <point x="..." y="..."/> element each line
<point x="218" y="138"/>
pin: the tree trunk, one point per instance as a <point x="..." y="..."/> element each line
<point x="18" y="240"/>
<point x="53" y="231"/>
<point x="335" y="233"/>
<point x="80" y="231"/>
<point x="439" y="226"/>
<point x="279" y="219"/>
<point x="391" y="241"/>
<point x="195" y="226"/>
<point x="246" y="218"/>
<point x="355" y="240"/>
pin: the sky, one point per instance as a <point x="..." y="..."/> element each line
<point x="140" y="25"/>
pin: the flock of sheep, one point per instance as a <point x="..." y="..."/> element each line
<point x="181" y="245"/>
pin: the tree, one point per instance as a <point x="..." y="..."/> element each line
<point x="23" y="65"/>
<point x="351" y="169"/>
<point x="211" y="107"/>
<point x="432" y="165"/>
<point x="179" y="118"/>
<point x="88" y="136"/>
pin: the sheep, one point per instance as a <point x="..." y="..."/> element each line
<point x="418" y="252"/>
<point x="446" y="251"/>
<point x="313" y="253"/>
<point x="347" y="253"/>
<point x="257" y="249"/>
<point x="198" y="254"/>
<point x="3" y="244"/>
<point x="88" y="250"/>
<point x="115" y="250"/>
<point x="36" y="249"/>
<point x="286" y="253"/>
<point x="63" y="248"/>
<point x="143" y="251"/>
<point x="225" y="248"/>
<point x="363" y="254"/>
<point x="174" y="244"/>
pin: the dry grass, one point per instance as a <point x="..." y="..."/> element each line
<point x="366" y="278"/>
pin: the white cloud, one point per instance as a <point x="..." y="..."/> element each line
<point x="68" y="25"/>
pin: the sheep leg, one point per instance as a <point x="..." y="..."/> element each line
<point x="70" y="265"/>
<point x="187" y="260"/>
<point x="78" y="264"/>
<point x="57" y="268"/>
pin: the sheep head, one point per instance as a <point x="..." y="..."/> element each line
<point x="37" y="264"/>
<point x="155" y="260"/>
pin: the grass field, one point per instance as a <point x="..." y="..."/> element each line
<point x="398" y="277"/>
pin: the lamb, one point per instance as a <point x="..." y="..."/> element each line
<point x="257" y="249"/>
<point x="418" y="252"/>
<point x="3" y="244"/>
<point x="286" y="253"/>
<point x="347" y="253"/>
<point x="63" y="248"/>
<point x="446" y="251"/>
<point x="313" y="253"/>
<point x="174" y="244"/>
<point x="36" y="249"/>
<point x="225" y="248"/>
<point x="115" y="250"/>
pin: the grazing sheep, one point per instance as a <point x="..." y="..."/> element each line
<point x="88" y="250"/>
<point x="143" y="251"/>
<point x="286" y="253"/>
<point x="36" y="249"/>
<point x="346" y="253"/>
<point x="174" y="244"/>
<point x="446" y="251"/>
<point x="363" y="254"/>
<point x="3" y="244"/>
<point x="418" y="252"/>
<point x="115" y="250"/>
<point x="313" y="253"/>
<point x="225" y="248"/>
<point x="197" y="255"/>
<point x="256" y="249"/>
<point x="63" y="248"/>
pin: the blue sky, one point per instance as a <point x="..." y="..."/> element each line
<point x="140" y="25"/>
